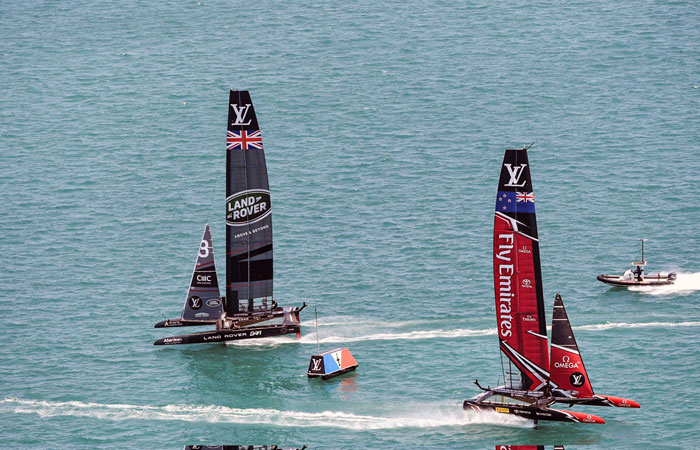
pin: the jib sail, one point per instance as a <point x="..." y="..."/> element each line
<point x="248" y="208"/>
<point x="203" y="298"/>
<point x="522" y="329"/>
<point x="567" y="370"/>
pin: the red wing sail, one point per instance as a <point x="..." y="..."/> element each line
<point x="567" y="370"/>
<point x="517" y="277"/>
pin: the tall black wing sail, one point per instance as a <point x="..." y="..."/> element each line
<point x="248" y="208"/>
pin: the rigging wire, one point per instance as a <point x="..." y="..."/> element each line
<point x="318" y="342"/>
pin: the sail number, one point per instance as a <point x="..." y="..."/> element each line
<point x="204" y="249"/>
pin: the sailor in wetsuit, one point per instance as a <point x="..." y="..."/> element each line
<point x="638" y="273"/>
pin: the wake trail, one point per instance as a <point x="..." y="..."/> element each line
<point x="343" y="322"/>
<point x="686" y="283"/>
<point x="440" y="416"/>
<point x="409" y="335"/>
<point x="345" y="336"/>
<point x="611" y="325"/>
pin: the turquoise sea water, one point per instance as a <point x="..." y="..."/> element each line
<point x="384" y="127"/>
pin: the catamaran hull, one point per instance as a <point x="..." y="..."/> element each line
<point x="231" y="335"/>
<point x="533" y="412"/>
<point x="615" y="280"/>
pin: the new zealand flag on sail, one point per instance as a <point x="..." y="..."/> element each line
<point x="522" y="202"/>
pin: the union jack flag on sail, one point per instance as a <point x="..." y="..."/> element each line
<point x="525" y="197"/>
<point x="515" y="202"/>
<point x="244" y="140"/>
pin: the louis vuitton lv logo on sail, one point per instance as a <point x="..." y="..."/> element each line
<point x="514" y="173"/>
<point x="241" y="113"/>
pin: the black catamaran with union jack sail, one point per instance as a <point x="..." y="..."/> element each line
<point x="248" y="300"/>
<point x="536" y="375"/>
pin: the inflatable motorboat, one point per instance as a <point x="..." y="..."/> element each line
<point x="637" y="277"/>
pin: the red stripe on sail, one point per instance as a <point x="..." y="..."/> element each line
<point x="245" y="284"/>
<point x="251" y="249"/>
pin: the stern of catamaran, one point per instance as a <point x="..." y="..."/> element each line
<point x="291" y="316"/>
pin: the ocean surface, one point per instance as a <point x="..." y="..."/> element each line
<point x="384" y="126"/>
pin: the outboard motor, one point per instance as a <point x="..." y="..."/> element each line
<point x="672" y="276"/>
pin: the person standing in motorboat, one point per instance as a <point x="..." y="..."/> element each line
<point x="639" y="273"/>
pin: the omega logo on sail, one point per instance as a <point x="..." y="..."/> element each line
<point x="566" y="363"/>
<point x="505" y="289"/>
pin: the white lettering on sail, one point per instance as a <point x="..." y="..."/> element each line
<point x="240" y="208"/>
<point x="248" y="233"/>
<point x="240" y="114"/>
<point x="505" y="285"/>
<point x="515" y="173"/>
<point x="204" y="249"/>
<point x="566" y="363"/>
<point x="247" y="207"/>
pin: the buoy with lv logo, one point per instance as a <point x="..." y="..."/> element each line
<point x="331" y="363"/>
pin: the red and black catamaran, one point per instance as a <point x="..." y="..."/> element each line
<point x="248" y="300"/>
<point x="536" y="375"/>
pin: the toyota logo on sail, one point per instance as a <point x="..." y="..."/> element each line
<point x="527" y="283"/>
